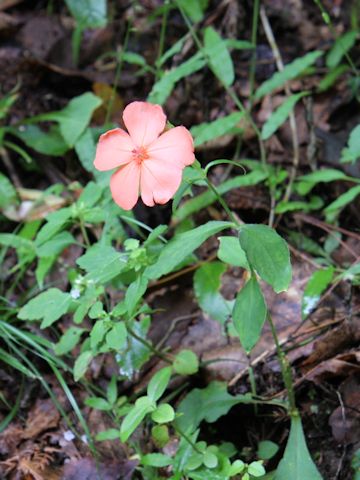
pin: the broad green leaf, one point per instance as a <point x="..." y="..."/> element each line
<point x="89" y="196"/>
<point x="116" y="337"/>
<point x="102" y="263"/>
<point x="218" y="56"/>
<point x="326" y="175"/>
<point x="17" y="242"/>
<point x="75" y="117"/>
<point x="88" y="13"/>
<point x="159" y="383"/>
<point x="207" y="198"/>
<point x="207" y="404"/>
<point x="7" y="192"/>
<point x="98" y="403"/>
<point x="49" y="306"/>
<point x="296" y="463"/>
<point x="142" y="407"/>
<point x="230" y="252"/>
<point x="343" y="200"/>
<point x="280" y="115"/>
<point x="291" y="70"/>
<point x="318" y="282"/>
<point x="49" y="143"/>
<point x="208" y="131"/>
<point x="160" y="434"/>
<point x="352" y="152"/>
<point x="207" y="283"/>
<point x="85" y="149"/>
<point x="43" y="267"/>
<point x="249" y="314"/>
<point x="68" y="340"/>
<point x="163" y="414"/>
<point x="55" y="222"/>
<point x="256" y="469"/>
<point x="157" y="460"/>
<point x="81" y="364"/>
<point x="98" y="332"/>
<point x="163" y="87"/>
<point x="134" y="294"/>
<point x="186" y="363"/>
<point x="267" y="449"/>
<point x="56" y="245"/>
<point x="268" y="254"/>
<point x="210" y="459"/>
<point x="181" y="246"/>
<point x="194" y="9"/>
<point x="341" y="46"/>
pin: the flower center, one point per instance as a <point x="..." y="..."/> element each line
<point x="140" y="154"/>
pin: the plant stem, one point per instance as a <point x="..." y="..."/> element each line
<point x="162" y="38"/>
<point x="285" y="369"/>
<point x="147" y="344"/>
<point x="84" y="232"/>
<point x="187" y="438"/>
<point x="254" y="30"/>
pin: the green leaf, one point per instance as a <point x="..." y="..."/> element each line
<point x="43" y="267"/>
<point x="331" y="77"/>
<point x="142" y="407"/>
<point x="208" y="131"/>
<point x="116" y="338"/>
<point x="98" y="403"/>
<point x="268" y="254"/>
<point x="81" y="364"/>
<point x="55" y="222"/>
<point x="256" y="469"/>
<point x="308" y="182"/>
<point x="102" y="263"/>
<point x="181" y="246"/>
<point x="98" y="332"/>
<point x="249" y="314"/>
<point x="207" y="282"/>
<point x="112" y="392"/>
<point x="186" y="363"/>
<point x="267" y="449"/>
<point x="48" y="143"/>
<point x="85" y="149"/>
<point x="134" y="294"/>
<point x="291" y="70"/>
<point x="341" y="46"/>
<point x="219" y="57"/>
<point x="110" y="434"/>
<point x="352" y="152"/>
<point x="88" y="13"/>
<point x="163" y="87"/>
<point x="56" y="245"/>
<point x="210" y="459"/>
<point x="160" y="434"/>
<point x="280" y="115"/>
<point x="318" y="282"/>
<point x="158" y="383"/>
<point x="75" y="117"/>
<point x="207" y="404"/>
<point x="8" y="193"/>
<point x="230" y="252"/>
<point x="68" y="341"/>
<point x="157" y="460"/>
<point x="49" y="306"/>
<point x="207" y="198"/>
<point x="163" y="414"/>
<point x="297" y="463"/>
<point x="194" y="9"/>
<point x="343" y="200"/>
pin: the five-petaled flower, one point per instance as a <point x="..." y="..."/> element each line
<point x="151" y="162"/>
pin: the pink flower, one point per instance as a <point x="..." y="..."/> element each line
<point x="151" y="162"/>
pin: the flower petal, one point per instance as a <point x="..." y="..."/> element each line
<point x="176" y="145"/>
<point x="159" y="181"/>
<point x="144" y="122"/>
<point x="114" y="149"/>
<point x="124" y="185"/>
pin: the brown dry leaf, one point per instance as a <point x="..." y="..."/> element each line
<point x="34" y="205"/>
<point x="340" y="366"/>
<point x="107" y="94"/>
<point x="87" y="469"/>
<point x="42" y="417"/>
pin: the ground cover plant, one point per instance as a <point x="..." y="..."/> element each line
<point x="179" y="240"/>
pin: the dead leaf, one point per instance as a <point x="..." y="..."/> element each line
<point x="42" y="417"/>
<point x="87" y="469"/>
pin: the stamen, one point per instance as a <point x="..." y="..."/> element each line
<point x="140" y="154"/>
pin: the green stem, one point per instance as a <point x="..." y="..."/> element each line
<point x="254" y="30"/>
<point x="187" y="438"/>
<point x="285" y="369"/>
<point x="84" y="232"/>
<point x="162" y="38"/>
<point x="147" y="344"/>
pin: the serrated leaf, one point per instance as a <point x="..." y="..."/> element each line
<point x="55" y="222"/>
<point x="249" y="314"/>
<point x="181" y="246"/>
<point x="68" y="340"/>
<point x="102" y="263"/>
<point x="116" y="337"/>
<point x="159" y="383"/>
<point x="296" y="462"/>
<point x="341" y="46"/>
<point x="218" y="56"/>
<point x="268" y="254"/>
<point x="316" y="285"/>
<point x="208" y="131"/>
<point x="55" y="245"/>
<point x="207" y="282"/>
<point x="291" y="70"/>
<point x="49" y="306"/>
<point x="280" y="115"/>
<point x="230" y="252"/>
